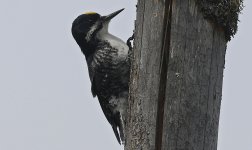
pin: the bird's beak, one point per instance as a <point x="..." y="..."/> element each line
<point x="110" y="16"/>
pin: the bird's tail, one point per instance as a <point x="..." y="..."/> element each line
<point x="120" y="126"/>
<point x="122" y="130"/>
<point x="116" y="133"/>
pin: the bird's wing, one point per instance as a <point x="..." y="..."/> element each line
<point x="91" y="71"/>
<point x="93" y="87"/>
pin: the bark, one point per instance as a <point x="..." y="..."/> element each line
<point x="176" y="78"/>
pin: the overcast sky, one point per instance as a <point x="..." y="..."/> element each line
<point x="45" y="100"/>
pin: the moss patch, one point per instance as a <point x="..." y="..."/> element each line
<point x="222" y="12"/>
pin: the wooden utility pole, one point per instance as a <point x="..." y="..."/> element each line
<point x="177" y="73"/>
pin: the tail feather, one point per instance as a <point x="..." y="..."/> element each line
<point x="116" y="134"/>
<point x="121" y="129"/>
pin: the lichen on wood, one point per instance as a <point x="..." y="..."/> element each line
<point x="223" y="13"/>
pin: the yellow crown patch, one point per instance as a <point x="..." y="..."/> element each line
<point x="90" y="13"/>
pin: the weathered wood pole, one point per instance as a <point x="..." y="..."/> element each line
<point x="176" y="77"/>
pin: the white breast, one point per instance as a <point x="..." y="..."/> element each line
<point x="114" y="41"/>
<point x="118" y="44"/>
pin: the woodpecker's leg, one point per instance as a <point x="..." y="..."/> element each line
<point x="130" y="47"/>
<point x="129" y="41"/>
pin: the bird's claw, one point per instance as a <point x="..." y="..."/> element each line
<point x="129" y="41"/>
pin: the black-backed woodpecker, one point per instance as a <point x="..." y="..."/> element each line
<point x="108" y="62"/>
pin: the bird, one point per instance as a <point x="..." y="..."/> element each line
<point x="108" y="62"/>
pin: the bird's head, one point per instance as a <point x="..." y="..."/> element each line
<point x="87" y="26"/>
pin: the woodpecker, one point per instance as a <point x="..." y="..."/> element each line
<point x="108" y="62"/>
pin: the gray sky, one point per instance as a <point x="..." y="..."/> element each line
<point x="45" y="100"/>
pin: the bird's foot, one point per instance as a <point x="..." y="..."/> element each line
<point x="129" y="41"/>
